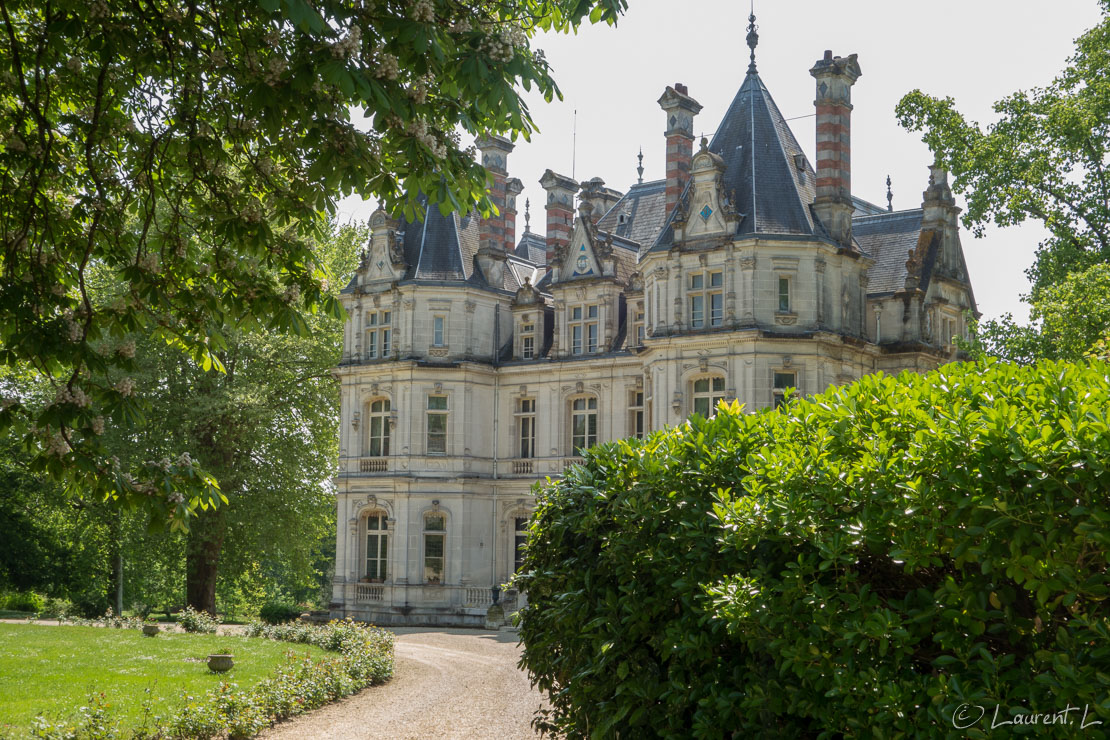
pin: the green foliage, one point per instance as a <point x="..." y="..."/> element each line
<point x="364" y="656"/>
<point x="860" y="563"/>
<point x="193" y="153"/>
<point x="192" y="620"/>
<point x="27" y="601"/>
<point x="276" y="612"/>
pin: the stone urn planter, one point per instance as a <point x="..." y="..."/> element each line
<point x="150" y="630"/>
<point x="220" y="662"/>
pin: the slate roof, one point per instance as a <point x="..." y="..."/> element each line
<point x="532" y="247"/>
<point x="759" y="151"/>
<point x="639" y="215"/>
<point x="888" y="238"/>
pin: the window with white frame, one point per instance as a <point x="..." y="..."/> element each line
<point x="520" y="538"/>
<point x="783" y="381"/>
<point x="377" y="546"/>
<point x="784" y="294"/>
<point x="435" y="548"/>
<point x="379" y="334"/>
<point x="378" y="428"/>
<point x="439" y="331"/>
<point x="583" y="326"/>
<point x="707" y="393"/>
<point x="437" y="425"/>
<point x="583" y="424"/>
<point x="706" y="299"/>
<point x="637" y="332"/>
<point x="636" y="414"/>
<point x="526" y="423"/>
<point x="527" y="340"/>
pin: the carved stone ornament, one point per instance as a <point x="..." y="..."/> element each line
<point x="786" y="319"/>
<point x="527" y="295"/>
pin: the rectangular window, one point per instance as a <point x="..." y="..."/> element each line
<point x="782" y="382"/>
<point x="784" y="295"/>
<point x="526" y="420"/>
<point x="439" y="337"/>
<point x="583" y="424"/>
<point x="705" y="293"/>
<point x="377" y="547"/>
<point x="435" y="537"/>
<point x="437" y="425"/>
<point x="583" y="329"/>
<point x="636" y="414"/>
<point x="379" y="428"/>
<point x="378" y="334"/>
<point x="708" y="392"/>
<point x="527" y="341"/>
<point x="637" y="333"/>
<point x="520" y="537"/>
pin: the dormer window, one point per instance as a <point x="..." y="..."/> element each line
<point x="583" y="329"/>
<point x="527" y="341"/>
<point x="379" y="334"/>
<point x="622" y="219"/>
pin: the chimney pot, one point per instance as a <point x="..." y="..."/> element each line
<point x="828" y="55"/>
<point x="679" y="87"/>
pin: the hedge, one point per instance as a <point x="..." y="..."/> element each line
<point x="364" y="657"/>
<point x="881" y="560"/>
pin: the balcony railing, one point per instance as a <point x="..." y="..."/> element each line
<point x="522" y="467"/>
<point x="373" y="465"/>
<point x="569" y="461"/>
<point x="369" y="592"/>
<point x="478" y="597"/>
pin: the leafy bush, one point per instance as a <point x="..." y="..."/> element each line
<point x="364" y="657"/>
<point x="862" y="563"/>
<point x="192" y="620"/>
<point x="56" y="609"/>
<point x="276" y="612"/>
<point x="25" y="602"/>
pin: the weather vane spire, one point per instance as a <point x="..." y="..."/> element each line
<point x="527" y="215"/>
<point x="889" y="195"/>
<point x="640" y="168"/>
<point x="753" y="38"/>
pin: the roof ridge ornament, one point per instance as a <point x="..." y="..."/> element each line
<point x="752" y="38"/>
<point x="640" y="168"/>
<point x="889" y="196"/>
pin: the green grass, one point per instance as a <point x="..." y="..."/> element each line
<point x="53" y="670"/>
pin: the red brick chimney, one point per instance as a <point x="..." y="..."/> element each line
<point x="680" y="109"/>
<point x="513" y="188"/>
<point x="495" y="158"/>
<point x="833" y="202"/>
<point x="560" y="210"/>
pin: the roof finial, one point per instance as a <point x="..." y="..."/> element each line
<point x="889" y="195"/>
<point x="527" y="215"/>
<point x="640" y="168"/>
<point x="753" y="38"/>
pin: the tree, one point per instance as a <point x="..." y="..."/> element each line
<point x="192" y="150"/>
<point x="1046" y="158"/>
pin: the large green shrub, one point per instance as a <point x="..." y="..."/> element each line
<point x="276" y="612"/>
<point x="873" y="561"/>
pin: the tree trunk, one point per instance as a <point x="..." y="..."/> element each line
<point x="202" y="559"/>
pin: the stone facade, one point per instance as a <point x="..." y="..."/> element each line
<point x="471" y="369"/>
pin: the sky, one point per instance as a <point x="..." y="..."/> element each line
<point x="975" y="51"/>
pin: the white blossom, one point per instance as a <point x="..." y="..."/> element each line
<point x="125" y="387"/>
<point x="98" y="425"/>
<point x="292" y="294"/>
<point x="127" y="349"/>
<point x="423" y="11"/>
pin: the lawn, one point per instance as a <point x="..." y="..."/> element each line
<point x="53" y="670"/>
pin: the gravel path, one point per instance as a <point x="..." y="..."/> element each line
<point x="449" y="684"/>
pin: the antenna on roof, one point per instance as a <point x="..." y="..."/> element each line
<point x="574" y="145"/>
<point x="640" y="168"/>
<point x="889" y="195"/>
<point x="753" y="38"/>
<point x="527" y="215"/>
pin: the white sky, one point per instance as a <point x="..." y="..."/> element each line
<point x="975" y="51"/>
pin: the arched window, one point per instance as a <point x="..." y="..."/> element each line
<point x="435" y="547"/>
<point x="377" y="546"/>
<point x="583" y="424"/>
<point x="378" y="428"/>
<point x="707" y="392"/>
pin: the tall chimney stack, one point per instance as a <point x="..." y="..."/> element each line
<point x="560" y="210"/>
<point x="833" y="203"/>
<point x="680" y="109"/>
<point x="513" y="188"/>
<point x="495" y="158"/>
